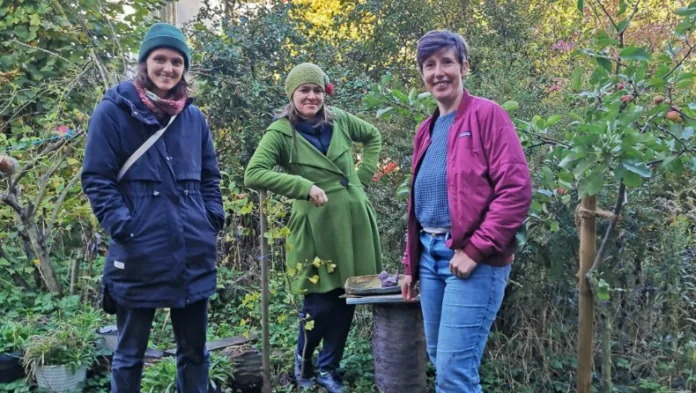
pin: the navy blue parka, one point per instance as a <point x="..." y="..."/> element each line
<point x="164" y="215"/>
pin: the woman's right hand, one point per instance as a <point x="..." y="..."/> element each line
<point x="318" y="196"/>
<point x="408" y="289"/>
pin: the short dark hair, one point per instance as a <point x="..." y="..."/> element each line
<point x="182" y="88"/>
<point x="436" y="40"/>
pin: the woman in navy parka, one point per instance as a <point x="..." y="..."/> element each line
<point x="162" y="216"/>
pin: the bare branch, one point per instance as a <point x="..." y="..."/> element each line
<point x="546" y="139"/>
<point x="606" y="12"/>
<point x="60" y="200"/>
<point x="44" y="181"/>
<point x="680" y="62"/>
<point x="681" y="142"/>
<point x="102" y="70"/>
<point x="30" y="165"/>
<point x="647" y="123"/>
<point x="610" y="229"/>
<point x="11" y="201"/>
<point x="634" y="12"/>
<point x="45" y="51"/>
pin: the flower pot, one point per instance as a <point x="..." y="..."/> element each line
<point x="11" y="367"/>
<point x="60" y="378"/>
<point x="108" y="338"/>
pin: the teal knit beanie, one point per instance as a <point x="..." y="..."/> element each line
<point x="164" y="35"/>
<point x="306" y="73"/>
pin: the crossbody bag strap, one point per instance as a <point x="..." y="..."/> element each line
<point x="142" y="149"/>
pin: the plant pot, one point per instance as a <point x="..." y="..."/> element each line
<point x="108" y="338"/>
<point x="60" y="378"/>
<point x="11" y="367"/>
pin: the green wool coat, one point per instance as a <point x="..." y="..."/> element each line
<point x="342" y="232"/>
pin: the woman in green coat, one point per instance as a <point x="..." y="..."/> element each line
<point x="333" y="227"/>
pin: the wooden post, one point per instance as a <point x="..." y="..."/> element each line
<point x="588" y="246"/>
<point x="74" y="271"/>
<point x="266" y="359"/>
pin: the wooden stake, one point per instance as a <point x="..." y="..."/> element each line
<point x="588" y="246"/>
<point x="266" y="360"/>
<point x="74" y="272"/>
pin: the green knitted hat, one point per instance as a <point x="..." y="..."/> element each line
<point x="306" y="73"/>
<point x="164" y="35"/>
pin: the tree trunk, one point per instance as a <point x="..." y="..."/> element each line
<point x="606" y="349"/>
<point x="48" y="273"/>
<point x="588" y="246"/>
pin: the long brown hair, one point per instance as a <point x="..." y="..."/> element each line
<point x="181" y="88"/>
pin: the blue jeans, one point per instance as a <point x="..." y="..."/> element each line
<point x="134" y="324"/>
<point x="457" y="314"/>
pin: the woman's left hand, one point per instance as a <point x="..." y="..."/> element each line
<point x="461" y="265"/>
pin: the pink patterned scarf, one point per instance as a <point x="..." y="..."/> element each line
<point x="161" y="107"/>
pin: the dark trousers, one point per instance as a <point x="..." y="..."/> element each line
<point x="192" y="359"/>
<point x="332" y="318"/>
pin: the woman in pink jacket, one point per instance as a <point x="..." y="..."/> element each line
<point x="470" y="193"/>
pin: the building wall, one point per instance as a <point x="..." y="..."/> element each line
<point x="188" y="9"/>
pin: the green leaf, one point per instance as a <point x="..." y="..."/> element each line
<point x="592" y="184"/>
<point x="622" y="8"/>
<point x="576" y="80"/>
<point x="21" y="32"/>
<point x="684" y="84"/>
<point x="568" y="161"/>
<point x="604" y="40"/>
<point x="693" y="164"/>
<point x="412" y="95"/>
<point x="637" y="167"/>
<point x="547" y="177"/>
<point x="582" y="167"/>
<point x="581" y="5"/>
<point x="677" y="166"/>
<point x="622" y="25"/>
<point x="575" y="116"/>
<point x="309" y="325"/>
<point x="4" y="262"/>
<point x="655" y="82"/>
<point x="510" y="106"/>
<point x="684" y="11"/>
<point x="603" y="290"/>
<point x="682" y="28"/>
<point x="383" y="111"/>
<point x="631" y="179"/>
<point x="386" y="78"/>
<point x="688" y="133"/>
<point x="604" y="63"/>
<point x="634" y="53"/>
<point x="553" y="120"/>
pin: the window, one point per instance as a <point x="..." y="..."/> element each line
<point x="168" y="13"/>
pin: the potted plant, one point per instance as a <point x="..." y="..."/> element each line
<point x="58" y="360"/>
<point x="13" y="336"/>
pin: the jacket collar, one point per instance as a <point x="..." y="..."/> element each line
<point x="309" y="155"/>
<point x="462" y="110"/>
<point x="126" y="97"/>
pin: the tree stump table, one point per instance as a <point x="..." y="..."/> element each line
<point x="398" y="343"/>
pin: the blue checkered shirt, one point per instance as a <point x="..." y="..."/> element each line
<point x="430" y="189"/>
